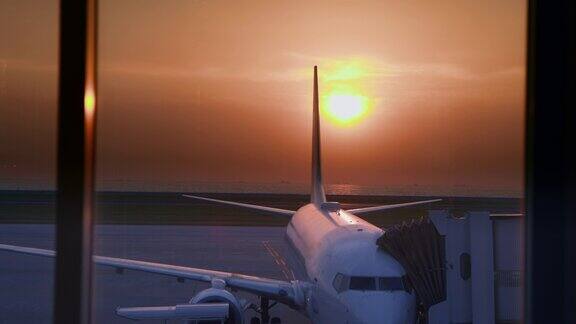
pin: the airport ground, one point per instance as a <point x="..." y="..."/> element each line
<point x="26" y="282"/>
<point x="168" y="228"/>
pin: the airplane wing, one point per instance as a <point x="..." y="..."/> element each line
<point x="275" y="211"/>
<point x="289" y="293"/>
<point x="358" y="211"/>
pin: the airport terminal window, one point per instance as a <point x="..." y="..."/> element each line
<point x="465" y="266"/>
<point x="187" y="128"/>
<point x="180" y="111"/>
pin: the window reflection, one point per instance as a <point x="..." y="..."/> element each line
<point x="28" y="104"/>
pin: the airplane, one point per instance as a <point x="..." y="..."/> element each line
<point x="346" y="277"/>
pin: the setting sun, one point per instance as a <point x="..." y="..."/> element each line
<point x="346" y="108"/>
<point x="346" y="98"/>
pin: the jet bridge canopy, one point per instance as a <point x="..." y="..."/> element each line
<point x="420" y="249"/>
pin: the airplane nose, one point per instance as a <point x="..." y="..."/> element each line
<point x="397" y="308"/>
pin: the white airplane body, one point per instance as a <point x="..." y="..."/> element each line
<point x="348" y="278"/>
<point x="339" y="243"/>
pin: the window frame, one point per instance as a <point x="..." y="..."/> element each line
<point x="75" y="161"/>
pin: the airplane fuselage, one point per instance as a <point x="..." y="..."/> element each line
<point x="340" y="256"/>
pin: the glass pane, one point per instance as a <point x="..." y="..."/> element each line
<point x="390" y="284"/>
<point x="362" y="283"/>
<point x="28" y="105"/>
<point x="417" y="101"/>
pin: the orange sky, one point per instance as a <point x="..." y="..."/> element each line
<point x="220" y="91"/>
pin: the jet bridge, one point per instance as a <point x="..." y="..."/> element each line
<point x="420" y="249"/>
<point x="463" y="269"/>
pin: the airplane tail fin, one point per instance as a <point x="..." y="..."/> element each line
<point x="317" y="195"/>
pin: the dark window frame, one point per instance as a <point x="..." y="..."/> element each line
<point x="75" y="161"/>
<point x="550" y="172"/>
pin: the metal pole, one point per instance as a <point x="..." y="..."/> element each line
<point x="75" y="166"/>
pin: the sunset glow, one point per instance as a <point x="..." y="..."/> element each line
<point x="413" y="94"/>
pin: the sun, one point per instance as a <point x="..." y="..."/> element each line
<point x="345" y="108"/>
<point x="345" y="84"/>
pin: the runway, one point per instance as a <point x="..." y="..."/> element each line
<point x="26" y="281"/>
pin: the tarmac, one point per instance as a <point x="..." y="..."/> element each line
<point x="26" y="282"/>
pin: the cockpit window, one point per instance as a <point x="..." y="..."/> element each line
<point x="362" y="283"/>
<point x="343" y="282"/>
<point x="390" y="283"/>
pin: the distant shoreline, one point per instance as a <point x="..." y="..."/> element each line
<point x="329" y="193"/>
<point x="170" y="208"/>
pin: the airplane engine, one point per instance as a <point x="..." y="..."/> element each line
<point x="211" y="305"/>
<point x="217" y="295"/>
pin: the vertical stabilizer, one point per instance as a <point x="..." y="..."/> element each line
<point x="317" y="193"/>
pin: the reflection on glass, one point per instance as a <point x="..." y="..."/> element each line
<point x="28" y="99"/>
